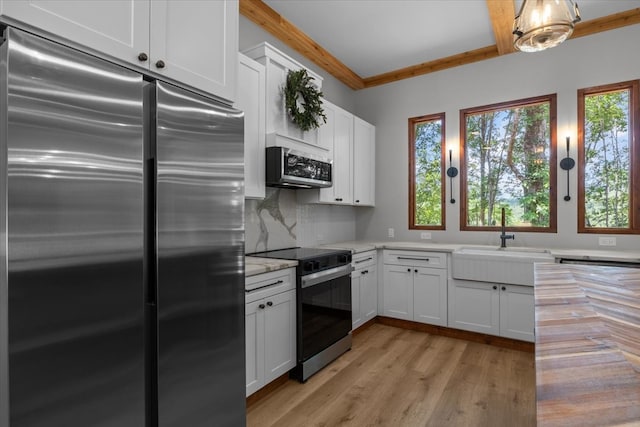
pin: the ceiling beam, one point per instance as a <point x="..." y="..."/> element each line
<point x="606" y="23"/>
<point x="270" y="20"/>
<point x="432" y="66"/>
<point x="502" y="14"/>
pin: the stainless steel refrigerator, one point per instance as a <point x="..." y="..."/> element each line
<point x="121" y="249"/>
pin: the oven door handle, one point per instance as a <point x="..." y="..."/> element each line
<point x="323" y="276"/>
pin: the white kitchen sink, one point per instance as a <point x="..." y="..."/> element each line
<point x="498" y="265"/>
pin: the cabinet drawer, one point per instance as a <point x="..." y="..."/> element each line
<point x="364" y="259"/>
<point x="268" y="284"/>
<point x="416" y="258"/>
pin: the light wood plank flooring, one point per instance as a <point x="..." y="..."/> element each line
<point x="399" y="377"/>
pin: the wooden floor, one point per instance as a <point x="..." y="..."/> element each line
<point x="399" y="377"/>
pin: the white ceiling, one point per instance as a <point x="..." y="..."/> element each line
<point x="372" y="37"/>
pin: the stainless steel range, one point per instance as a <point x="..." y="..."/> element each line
<point x="323" y="300"/>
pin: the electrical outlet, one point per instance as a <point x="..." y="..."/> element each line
<point x="320" y="238"/>
<point x="426" y="236"/>
<point x="607" y="241"/>
<point x="392" y="232"/>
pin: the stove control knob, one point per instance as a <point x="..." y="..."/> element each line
<point x="344" y="259"/>
<point x="308" y="266"/>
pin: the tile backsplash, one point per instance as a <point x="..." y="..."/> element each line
<point x="278" y="222"/>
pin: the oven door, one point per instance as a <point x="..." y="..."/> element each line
<point x="324" y="310"/>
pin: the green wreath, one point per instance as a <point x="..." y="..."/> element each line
<point x="303" y="101"/>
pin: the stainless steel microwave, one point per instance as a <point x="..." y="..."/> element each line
<point x="289" y="168"/>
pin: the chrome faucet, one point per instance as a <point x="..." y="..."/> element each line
<point x="503" y="236"/>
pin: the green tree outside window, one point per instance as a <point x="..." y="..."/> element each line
<point x="607" y="121"/>
<point x="426" y="188"/>
<point x="508" y="152"/>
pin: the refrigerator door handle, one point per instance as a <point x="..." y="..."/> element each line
<point x="150" y="257"/>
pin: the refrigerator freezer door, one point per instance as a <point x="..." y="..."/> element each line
<point x="200" y="201"/>
<point x="72" y="138"/>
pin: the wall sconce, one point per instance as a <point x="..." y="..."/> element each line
<point x="451" y="173"/>
<point x="567" y="164"/>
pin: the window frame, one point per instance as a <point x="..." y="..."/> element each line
<point x="634" y="157"/>
<point x="553" y="166"/>
<point x="413" y="121"/>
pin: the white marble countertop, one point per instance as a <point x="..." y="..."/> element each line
<point x="355" y="247"/>
<point x="254" y="265"/>
<point x="595" y="255"/>
<point x="577" y="254"/>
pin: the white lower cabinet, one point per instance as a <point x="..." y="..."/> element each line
<point x="415" y="286"/>
<point x="474" y="306"/>
<point x="270" y="323"/>
<point x="517" y="312"/>
<point x="430" y="296"/>
<point x="492" y="308"/>
<point x="364" y="288"/>
<point x="398" y="291"/>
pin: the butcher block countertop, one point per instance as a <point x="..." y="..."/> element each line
<point x="587" y="345"/>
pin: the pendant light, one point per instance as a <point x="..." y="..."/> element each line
<point x="542" y="24"/>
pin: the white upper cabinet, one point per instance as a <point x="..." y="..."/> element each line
<point x="251" y="100"/>
<point x="196" y="42"/>
<point x="339" y="130"/>
<point x="192" y="42"/>
<point x="116" y="28"/>
<point x="350" y="142"/>
<point x="364" y="163"/>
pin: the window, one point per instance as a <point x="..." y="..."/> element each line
<point x="506" y="153"/>
<point x="426" y="172"/>
<point x="607" y="122"/>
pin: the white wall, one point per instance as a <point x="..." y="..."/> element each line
<point x="588" y="61"/>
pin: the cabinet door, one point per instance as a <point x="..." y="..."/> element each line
<point x="517" y="312"/>
<point x="254" y="337"/>
<point x="356" y="291"/>
<point x="398" y="292"/>
<point x="430" y="296"/>
<point x="369" y="294"/>
<point x="338" y="131"/>
<point x="251" y="100"/>
<point x="117" y="28"/>
<point x="364" y="163"/>
<point x="474" y="306"/>
<point x="327" y="129"/>
<point x="326" y="134"/>
<point x="196" y="42"/>
<point x="280" y="334"/>
<point x="342" y="155"/>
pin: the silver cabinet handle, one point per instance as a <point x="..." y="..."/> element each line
<point x="363" y="260"/>
<point x="264" y="286"/>
<point x="413" y="259"/>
